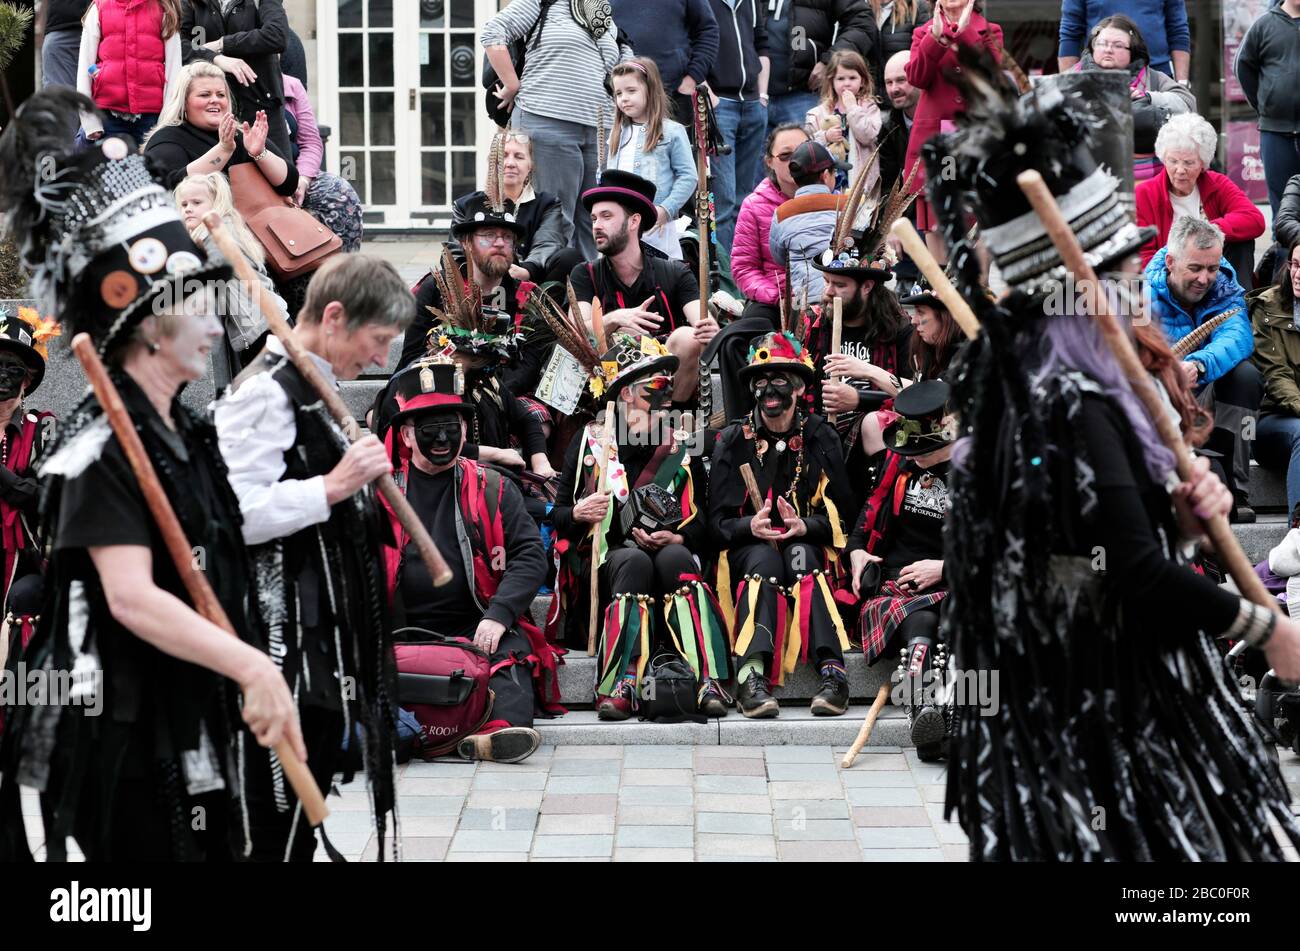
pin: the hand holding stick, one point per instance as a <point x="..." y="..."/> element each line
<point x="178" y="546"/>
<point x="837" y="336"/>
<point x="433" y="561"/>
<point x="751" y="488"/>
<point x="602" y="485"/>
<point x="915" y="247"/>
<point x="1225" y="543"/>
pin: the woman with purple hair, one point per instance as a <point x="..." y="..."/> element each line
<point x="1116" y="734"/>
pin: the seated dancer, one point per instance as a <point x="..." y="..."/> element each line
<point x="639" y="290"/>
<point x="644" y="559"/>
<point x="489" y="232"/>
<point x="146" y="737"/>
<point x="475" y="515"/>
<point x="23" y="439"/>
<point x="875" y="333"/>
<point x="483" y="343"/>
<point x="896" y="557"/>
<point x="316" y="533"/>
<point x="1112" y="698"/>
<point x="773" y="573"/>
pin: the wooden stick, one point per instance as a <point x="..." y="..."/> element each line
<point x="755" y="499"/>
<point x="915" y="247"/>
<point x="178" y="546"/>
<point x="837" y="336"/>
<point x="433" y="560"/>
<point x="868" y="725"/>
<point x="1225" y="543"/>
<point x="602" y="485"/>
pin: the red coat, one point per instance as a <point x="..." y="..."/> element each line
<point x="925" y="71"/>
<point x="132" y="57"/>
<point x="1225" y="205"/>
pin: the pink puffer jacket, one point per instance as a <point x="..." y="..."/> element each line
<point x="755" y="273"/>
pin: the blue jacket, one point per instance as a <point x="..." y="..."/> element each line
<point x="1162" y="23"/>
<point x="671" y="166"/>
<point x="681" y="36"/>
<point x="1231" y="343"/>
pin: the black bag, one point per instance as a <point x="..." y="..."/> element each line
<point x="496" y="112"/>
<point x="670" y="691"/>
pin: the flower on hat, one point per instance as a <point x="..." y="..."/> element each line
<point x="42" y="328"/>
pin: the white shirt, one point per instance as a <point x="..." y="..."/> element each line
<point x="255" y="427"/>
<point x="1187" y="207"/>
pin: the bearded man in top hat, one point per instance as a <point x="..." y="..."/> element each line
<point x="146" y="738"/>
<point x="1113" y="699"/>
<point x="777" y="556"/>
<point x="641" y="507"/>
<point x="640" y="291"/>
<point x="471" y="510"/>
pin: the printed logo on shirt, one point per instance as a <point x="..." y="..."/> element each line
<point x="927" y="496"/>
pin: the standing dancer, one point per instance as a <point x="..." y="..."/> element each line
<point x="142" y="747"/>
<point x="1117" y="734"/>
<point x="317" y="536"/>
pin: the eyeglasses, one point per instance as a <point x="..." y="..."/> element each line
<point x="784" y="156"/>
<point x="1109" y="45"/>
<point x="521" y="137"/>
<point x="485" y="239"/>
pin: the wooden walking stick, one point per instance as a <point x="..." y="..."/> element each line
<point x="602" y="485"/>
<point x="1067" y="245"/>
<point x="438" y="569"/>
<point x="915" y="247"/>
<point x="178" y="546"/>
<point x="837" y="337"/>
<point x="868" y="725"/>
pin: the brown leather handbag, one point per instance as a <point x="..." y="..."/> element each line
<point x="295" y="242"/>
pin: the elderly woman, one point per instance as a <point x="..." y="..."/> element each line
<point x="1277" y="355"/>
<point x="1116" y="43"/>
<point x="1186" y="186"/>
<point x="145" y="739"/>
<point x="541" y="254"/>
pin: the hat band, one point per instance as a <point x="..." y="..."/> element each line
<point x="1028" y="228"/>
<point x="601" y="190"/>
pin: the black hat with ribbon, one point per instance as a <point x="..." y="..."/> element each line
<point x="633" y="192"/>
<point x="920" y="427"/>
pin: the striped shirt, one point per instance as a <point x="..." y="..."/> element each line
<point x="564" y="73"/>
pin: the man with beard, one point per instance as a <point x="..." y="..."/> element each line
<point x="773" y="578"/>
<point x="488" y="236"/>
<point x="640" y="291"/>
<point x="471" y="510"/>
<point x="874" y="341"/>
<point x="894" y="134"/>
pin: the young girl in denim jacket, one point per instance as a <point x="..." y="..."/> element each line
<point x="648" y="143"/>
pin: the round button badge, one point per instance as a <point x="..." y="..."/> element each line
<point x="114" y="149"/>
<point x="118" y="288"/>
<point x="182" y="262"/>
<point x="148" y="255"/>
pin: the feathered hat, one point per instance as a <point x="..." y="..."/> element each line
<point x="864" y="255"/>
<point x="464" y="325"/>
<point x="103" y="239"/>
<point x="1001" y="134"/>
<point x="778" y="351"/>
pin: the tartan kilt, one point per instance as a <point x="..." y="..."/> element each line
<point x="883" y="613"/>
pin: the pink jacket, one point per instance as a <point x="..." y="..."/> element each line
<point x="756" y="274"/>
<point x="311" y="150"/>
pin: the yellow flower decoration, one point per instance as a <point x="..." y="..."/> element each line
<point x="42" y="329"/>
<point x="597" y="386"/>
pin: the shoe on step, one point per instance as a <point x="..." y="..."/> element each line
<point x="713" y="699"/>
<point x="832" y="700"/>
<point x="755" y="698"/>
<point x="507" y="745"/>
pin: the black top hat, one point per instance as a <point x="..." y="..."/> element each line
<point x="633" y="192"/>
<point x="429" y="385"/>
<point x="778" y="352"/>
<point x="1002" y="134"/>
<point x="16" y="337"/>
<point x="104" y="240"/>
<point x="810" y="157"/>
<point x="854" y="262"/>
<point x="919" y="427"/>
<point x="480" y="213"/>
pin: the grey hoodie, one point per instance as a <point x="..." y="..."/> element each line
<point x="1267" y="65"/>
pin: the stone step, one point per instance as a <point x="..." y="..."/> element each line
<point x="794" y="727"/>
<point x="1259" y="538"/>
<point x="1267" y="489"/>
<point x="360" y="395"/>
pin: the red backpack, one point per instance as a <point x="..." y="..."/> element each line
<point x="443" y="681"/>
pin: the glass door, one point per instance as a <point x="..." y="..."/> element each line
<point x="449" y="61"/>
<point x="366" y="130"/>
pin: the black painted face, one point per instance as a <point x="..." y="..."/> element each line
<point x="773" y="392"/>
<point x="13" y="374"/>
<point x="439" y="437"/>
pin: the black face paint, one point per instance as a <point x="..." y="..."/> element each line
<point x="12" y="377"/>
<point x="778" y="385"/>
<point x="439" y="438"/>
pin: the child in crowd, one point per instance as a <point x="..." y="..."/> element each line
<point x="240" y="313"/>
<point x="129" y="63"/>
<point x="645" y="141"/>
<point x="847" y="121"/>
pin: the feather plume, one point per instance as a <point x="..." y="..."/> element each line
<point x="848" y="209"/>
<point x="889" y="211"/>
<point x="568" y="333"/>
<point x="496" y="189"/>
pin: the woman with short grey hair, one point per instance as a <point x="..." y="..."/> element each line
<point x="561" y="102"/>
<point x="1186" y="146"/>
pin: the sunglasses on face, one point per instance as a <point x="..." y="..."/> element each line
<point x="436" y="429"/>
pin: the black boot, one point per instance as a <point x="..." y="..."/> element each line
<point x="832" y="699"/>
<point x="755" y="698"/>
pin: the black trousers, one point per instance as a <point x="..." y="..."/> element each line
<point x="637" y="571"/>
<point x="269" y="827"/>
<point x="512" y="685"/>
<point x="1237" y="395"/>
<point x="793" y="561"/>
